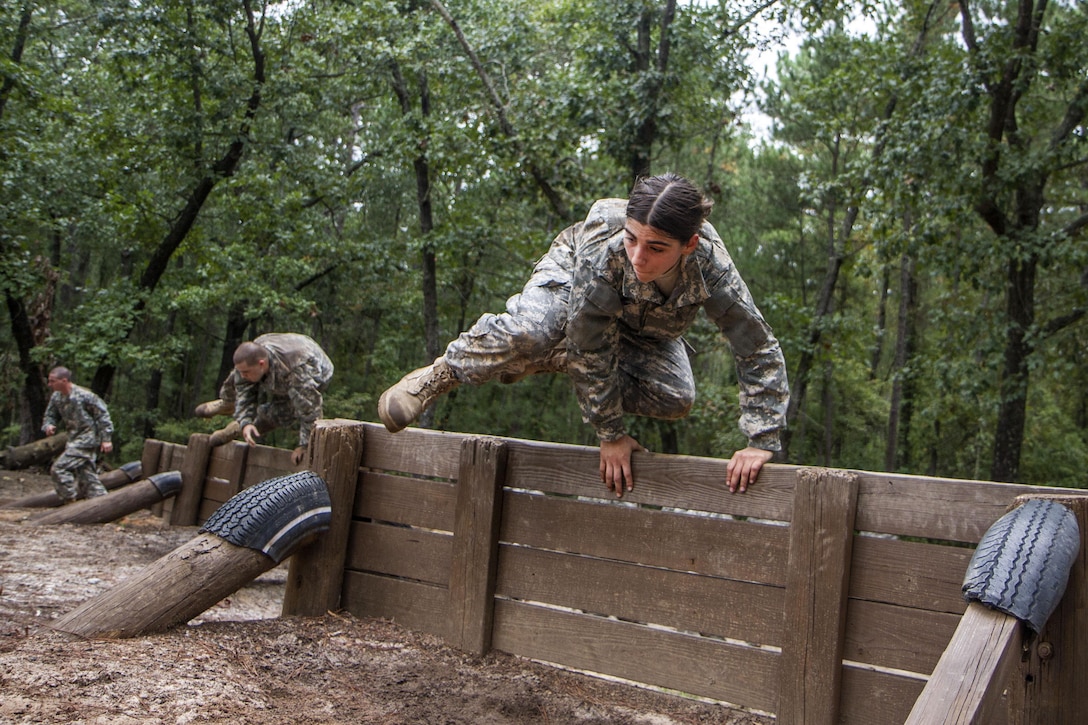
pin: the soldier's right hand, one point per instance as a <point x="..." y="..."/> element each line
<point x="251" y="434"/>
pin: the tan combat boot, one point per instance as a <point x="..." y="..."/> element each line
<point x="226" y="435"/>
<point x="402" y="403"/>
<point x="213" y="408"/>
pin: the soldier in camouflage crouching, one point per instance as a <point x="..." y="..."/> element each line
<point x="291" y="371"/>
<point x="85" y="417"/>
<point x="607" y="304"/>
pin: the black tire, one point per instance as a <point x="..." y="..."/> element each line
<point x="274" y="516"/>
<point x="168" y="482"/>
<point x="1021" y="566"/>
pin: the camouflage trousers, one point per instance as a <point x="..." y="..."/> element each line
<point x="75" y="475"/>
<point x="655" y="376"/>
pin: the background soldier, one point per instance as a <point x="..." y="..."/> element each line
<point x="85" y="417"/>
<point x="292" y="370"/>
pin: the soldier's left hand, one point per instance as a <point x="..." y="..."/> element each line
<point x="744" y="466"/>
<point x="297" y="454"/>
<point x="107" y="446"/>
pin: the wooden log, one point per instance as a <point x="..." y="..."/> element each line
<point x="111" y="480"/>
<point x="817" y="585"/>
<point x="123" y="501"/>
<point x="36" y="452"/>
<point x="187" y="503"/>
<point x="316" y="574"/>
<point x="966" y="686"/>
<point x="171" y="591"/>
<point x="250" y="534"/>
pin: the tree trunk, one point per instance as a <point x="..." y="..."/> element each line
<point x="1012" y="410"/>
<point x="897" y="449"/>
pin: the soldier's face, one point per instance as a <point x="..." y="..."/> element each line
<point x="652" y="252"/>
<point x="252" y="373"/>
<point x="58" y="385"/>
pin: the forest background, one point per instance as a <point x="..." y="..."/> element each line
<point x="179" y="176"/>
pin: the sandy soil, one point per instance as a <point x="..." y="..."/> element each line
<point x="241" y="663"/>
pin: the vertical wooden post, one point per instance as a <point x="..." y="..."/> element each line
<point x="817" y="582"/>
<point x="193" y="472"/>
<point x="149" y="458"/>
<point x="1053" y="672"/>
<point x="475" y="558"/>
<point x="316" y="573"/>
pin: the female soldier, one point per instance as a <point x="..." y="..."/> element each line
<point x="607" y="305"/>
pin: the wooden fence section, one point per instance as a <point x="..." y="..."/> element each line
<point x="821" y="596"/>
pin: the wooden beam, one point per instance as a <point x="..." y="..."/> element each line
<point x="475" y="543"/>
<point x="316" y="573"/>
<point x="817" y="584"/>
<point x="966" y="686"/>
<point x="187" y="502"/>
<point x="1051" y="684"/>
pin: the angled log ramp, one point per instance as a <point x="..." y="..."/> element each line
<point x="111" y="480"/>
<point x="250" y="534"/>
<point x="122" y="502"/>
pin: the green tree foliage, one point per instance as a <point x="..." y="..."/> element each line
<point x="178" y="177"/>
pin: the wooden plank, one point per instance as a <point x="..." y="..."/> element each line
<point x="896" y="637"/>
<point x="400" y="551"/>
<point x="699" y="666"/>
<point x="228" y="463"/>
<point x="1050" y="686"/>
<point x="687" y="602"/>
<point x="420" y="607"/>
<point x="821" y="542"/>
<point x="316" y="572"/>
<point x="187" y="501"/>
<point x="218" y="490"/>
<point x="967" y="684"/>
<point x="475" y="543"/>
<point x="871" y="697"/>
<point x="714" y="546"/>
<point x="400" y="499"/>
<point x="909" y="574"/>
<point x="686" y="482"/>
<point x="265" y="462"/>
<point x="935" y="508"/>
<point x="414" y="451"/>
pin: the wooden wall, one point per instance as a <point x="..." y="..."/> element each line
<point x="821" y="596"/>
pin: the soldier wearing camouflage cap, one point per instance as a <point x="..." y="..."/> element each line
<point x="607" y="305"/>
<point x="90" y="430"/>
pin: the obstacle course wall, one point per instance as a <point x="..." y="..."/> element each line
<point x="820" y="595"/>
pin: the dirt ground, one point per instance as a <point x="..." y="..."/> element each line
<point x="240" y="663"/>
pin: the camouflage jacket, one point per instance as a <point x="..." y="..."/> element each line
<point x="83" y="414"/>
<point x="606" y="297"/>
<point x="298" y="369"/>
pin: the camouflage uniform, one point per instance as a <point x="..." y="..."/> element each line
<point x="584" y="311"/>
<point x="85" y="417"/>
<point x="298" y="374"/>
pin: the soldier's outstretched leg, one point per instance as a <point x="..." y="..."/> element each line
<point x="227" y="434"/>
<point x="402" y="403"/>
<point x="213" y="408"/>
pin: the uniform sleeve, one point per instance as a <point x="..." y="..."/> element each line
<point x="51" y="417"/>
<point x="761" y="368"/>
<point x="100" y="414"/>
<point x="245" y="404"/>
